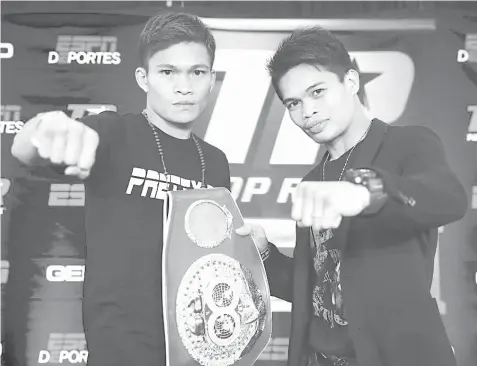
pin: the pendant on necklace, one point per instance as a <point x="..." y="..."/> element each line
<point x="325" y="235"/>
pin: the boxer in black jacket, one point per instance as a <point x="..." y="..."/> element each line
<point x="367" y="220"/>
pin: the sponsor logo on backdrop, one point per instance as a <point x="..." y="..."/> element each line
<point x="85" y="50"/>
<point x="276" y="350"/>
<point x="10" y="119"/>
<point x="469" y="52"/>
<point x="67" y="348"/>
<point x="84" y="110"/>
<point x="65" y="273"/>
<point x="6" y="50"/>
<point x="5" y="187"/>
<point x="474" y="197"/>
<point x="5" y="268"/>
<point x="63" y="194"/>
<point x="472" y="131"/>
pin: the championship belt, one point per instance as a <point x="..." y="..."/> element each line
<point x="216" y="298"/>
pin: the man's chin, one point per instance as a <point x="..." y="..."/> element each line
<point x="320" y="138"/>
<point x="183" y="120"/>
<point x="184" y="117"/>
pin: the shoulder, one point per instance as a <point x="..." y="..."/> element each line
<point x="212" y="152"/>
<point x="110" y="119"/>
<point x="412" y="137"/>
<point x="105" y="117"/>
<point x="218" y="165"/>
<point x="411" y="132"/>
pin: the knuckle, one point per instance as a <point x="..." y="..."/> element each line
<point x="76" y="127"/>
<point x="92" y="138"/>
<point x="55" y="116"/>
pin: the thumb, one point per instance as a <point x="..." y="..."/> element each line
<point x="244" y="230"/>
<point x="72" y="170"/>
<point x="75" y="171"/>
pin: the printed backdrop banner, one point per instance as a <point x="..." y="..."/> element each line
<point x="407" y="77"/>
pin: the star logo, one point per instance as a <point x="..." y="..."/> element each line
<point x="364" y="78"/>
<point x="386" y="82"/>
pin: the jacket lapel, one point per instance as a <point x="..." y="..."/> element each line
<point x="364" y="157"/>
<point x="301" y="306"/>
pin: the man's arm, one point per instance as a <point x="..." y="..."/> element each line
<point x="279" y="268"/>
<point x="427" y="193"/>
<point x="55" y="139"/>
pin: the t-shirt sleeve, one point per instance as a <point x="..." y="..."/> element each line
<point x="224" y="171"/>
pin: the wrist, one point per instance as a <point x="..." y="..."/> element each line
<point x="264" y="254"/>
<point x="376" y="196"/>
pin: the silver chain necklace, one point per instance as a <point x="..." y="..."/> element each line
<point x="328" y="156"/>
<point x="328" y="233"/>
<point x="161" y="152"/>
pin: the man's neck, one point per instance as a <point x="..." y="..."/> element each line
<point x="352" y="136"/>
<point x="178" y="130"/>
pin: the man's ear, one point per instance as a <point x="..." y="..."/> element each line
<point x="212" y="83"/>
<point x="352" y="81"/>
<point x="141" y="78"/>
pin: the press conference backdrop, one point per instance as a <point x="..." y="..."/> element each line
<point x="412" y="72"/>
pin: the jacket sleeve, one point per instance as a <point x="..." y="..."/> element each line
<point x="427" y="193"/>
<point x="279" y="268"/>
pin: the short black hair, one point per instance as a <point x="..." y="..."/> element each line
<point x="312" y="46"/>
<point x="167" y="29"/>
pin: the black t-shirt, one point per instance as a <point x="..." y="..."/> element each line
<point x="122" y="309"/>
<point x="328" y="332"/>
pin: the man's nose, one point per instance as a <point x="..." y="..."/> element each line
<point x="309" y="110"/>
<point x="183" y="85"/>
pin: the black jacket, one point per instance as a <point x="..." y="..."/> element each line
<point x="388" y="259"/>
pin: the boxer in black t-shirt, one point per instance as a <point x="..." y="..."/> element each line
<point x="128" y="163"/>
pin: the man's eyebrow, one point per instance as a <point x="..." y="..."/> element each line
<point x="169" y="66"/>
<point x="307" y="89"/>
<point x="200" y="66"/>
<point x="314" y="86"/>
<point x="285" y="101"/>
<point x="166" y="66"/>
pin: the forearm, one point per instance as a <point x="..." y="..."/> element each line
<point x="422" y="193"/>
<point x="279" y="268"/>
<point x="422" y="201"/>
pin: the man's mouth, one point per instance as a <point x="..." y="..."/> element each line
<point x="184" y="103"/>
<point x="317" y="127"/>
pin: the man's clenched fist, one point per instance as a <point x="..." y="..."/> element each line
<point x="63" y="140"/>
<point x="322" y="205"/>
